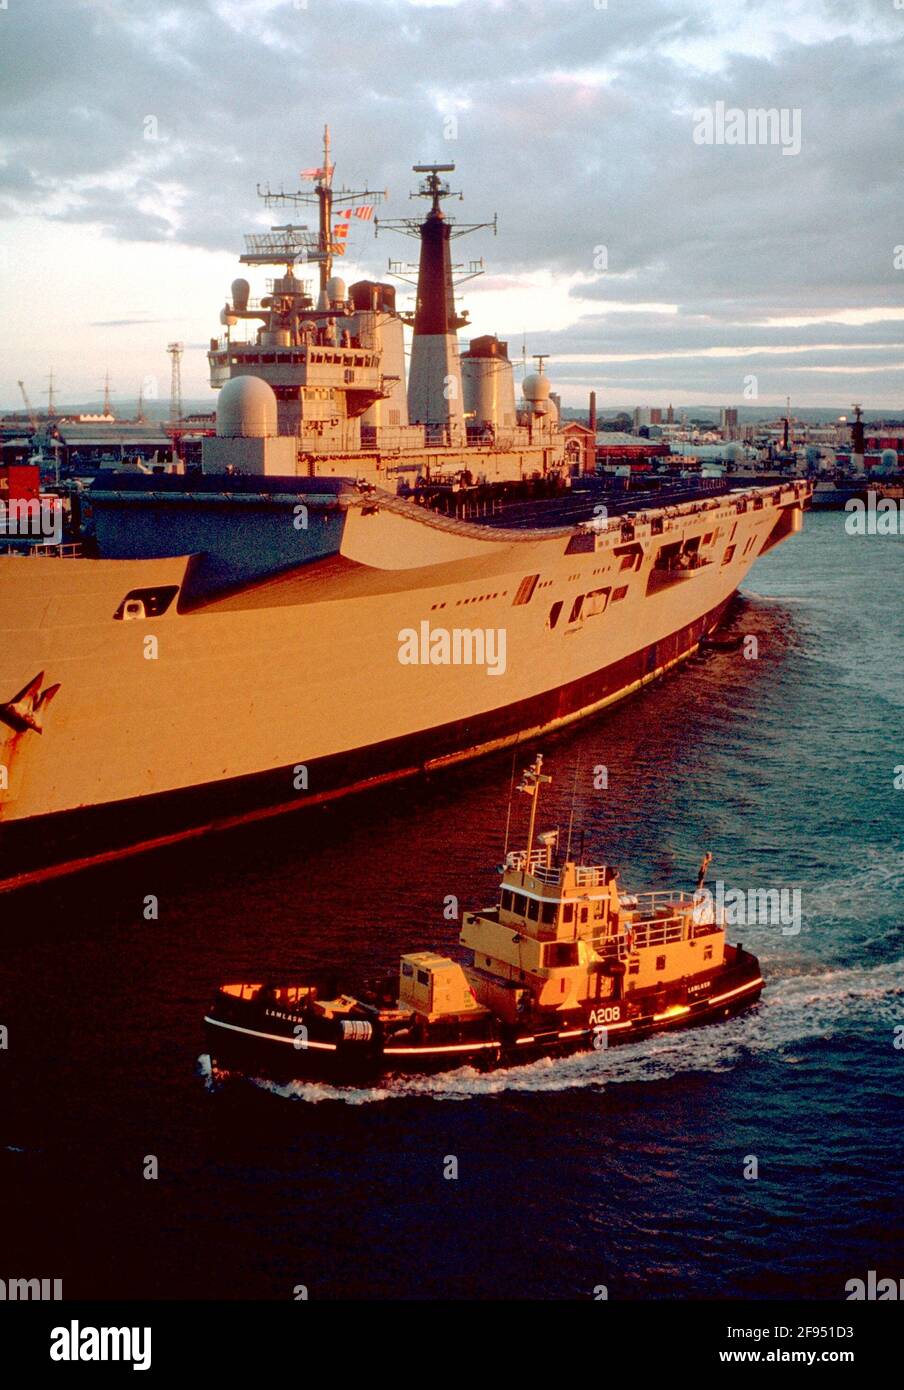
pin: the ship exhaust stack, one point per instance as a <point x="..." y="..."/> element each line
<point x="435" y="396"/>
<point x="489" y="386"/>
<point x="858" y="441"/>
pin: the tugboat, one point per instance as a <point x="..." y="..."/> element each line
<point x="564" y="962"/>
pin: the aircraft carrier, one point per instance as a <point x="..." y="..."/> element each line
<point x="286" y="625"/>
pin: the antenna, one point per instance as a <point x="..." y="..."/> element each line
<point x="51" y="403"/>
<point x="508" y="818"/>
<point x="435" y="188"/>
<point x="532" y="779"/>
<point x="321" y="246"/>
<point x="574" y="791"/>
<point x="107" y="408"/>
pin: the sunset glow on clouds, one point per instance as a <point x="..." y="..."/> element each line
<point x="574" y="123"/>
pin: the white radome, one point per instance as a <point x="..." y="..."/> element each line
<point x="536" y="387"/>
<point x="240" y="292"/>
<point x="246" y="409"/>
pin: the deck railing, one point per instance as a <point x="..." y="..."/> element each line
<point x="70" y="551"/>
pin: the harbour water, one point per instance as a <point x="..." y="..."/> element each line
<point x="622" y="1169"/>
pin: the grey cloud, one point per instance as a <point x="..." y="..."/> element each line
<point x="569" y="161"/>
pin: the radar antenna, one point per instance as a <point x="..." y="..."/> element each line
<point x="328" y="241"/>
<point x="435" y="188"/>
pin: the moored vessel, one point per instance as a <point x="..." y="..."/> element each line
<point x="287" y="626"/>
<point x="564" y="962"/>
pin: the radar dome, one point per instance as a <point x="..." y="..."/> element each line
<point x="536" y="387"/>
<point x="246" y="409"/>
<point x="228" y="318"/>
<point x="240" y="292"/>
<point x="888" y="461"/>
<point x="336" y="290"/>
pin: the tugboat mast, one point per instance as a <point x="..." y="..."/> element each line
<point x="531" y="783"/>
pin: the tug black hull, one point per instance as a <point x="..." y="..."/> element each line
<point x="255" y="1038"/>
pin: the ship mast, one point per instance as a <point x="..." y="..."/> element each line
<point x="324" y="192"/>
<point x="326" y="197"/>
<point x="531" y="782"/>
<point x="434" y="381"/>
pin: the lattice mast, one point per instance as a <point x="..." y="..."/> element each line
<point x="322" y="246"/>
<point x="175" y="351"/>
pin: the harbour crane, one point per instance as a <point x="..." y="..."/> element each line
<point x="33" y="419"/>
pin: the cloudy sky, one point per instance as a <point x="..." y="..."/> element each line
<point x="649" y="263"/>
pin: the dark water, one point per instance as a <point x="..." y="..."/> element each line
<point x="623" y="1169"/>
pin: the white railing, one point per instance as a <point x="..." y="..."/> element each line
<point x="69" y="551"/>
<point x="539" y="867"/>
<point x="673" y="513"/>
<point x="641" y="934"/>
<point x="590" y="875"/>
<point x="537" y="864"/>
<point x="649" y="903"/>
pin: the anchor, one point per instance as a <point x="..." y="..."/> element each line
<point x="24" y="711"/>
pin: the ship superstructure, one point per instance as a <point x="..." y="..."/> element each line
<point x="320" y="388"/>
